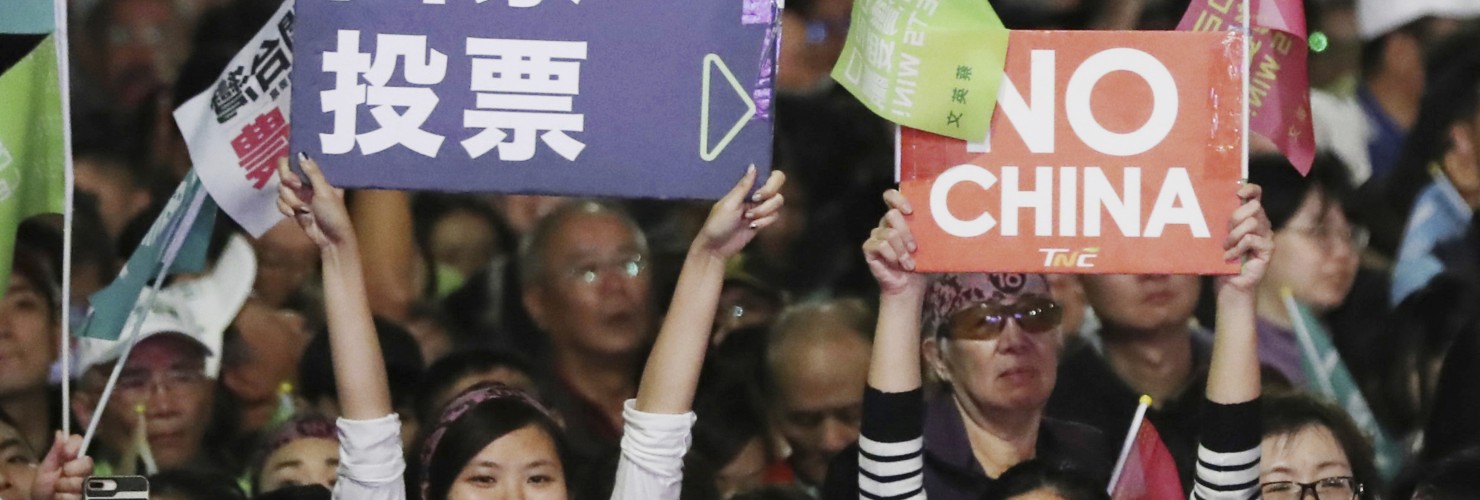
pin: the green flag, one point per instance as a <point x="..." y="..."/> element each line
<point x="1328" y="377"/>
<point x="176" y="242"/>
<point x="32" y="127"/>
<point x="932" y="65"/>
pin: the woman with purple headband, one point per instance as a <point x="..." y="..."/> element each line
<point x="493" y="441"/>
<point x="993" y="340"/>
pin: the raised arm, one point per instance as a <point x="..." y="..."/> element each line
<point x="1228" y="448"/>
<point x="359" y="368"/>
<point x="672" y="372"/>
<point x="658" y="424"/>
<point x="390" y="254"/>
<point x="1233" y="376"/>
<point x="888" y="463"/>
<point x="895" y="365"/>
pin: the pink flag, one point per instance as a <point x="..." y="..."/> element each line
<point x="1147" y="471"/>
<point x="1279" y="89"/>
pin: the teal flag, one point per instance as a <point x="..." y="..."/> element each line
<point x="1328" y="377"/>
<point x="32" y="128"/>
<point x="177" y="242"/>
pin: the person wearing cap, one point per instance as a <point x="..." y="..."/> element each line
<point x="1367" y="130"/>
<point x="166" y="386"/>
<point x="994" y="339"/>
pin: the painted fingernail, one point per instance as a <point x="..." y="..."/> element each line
<point x="754" y="225"/>
<point x="302" y="157"/>
<point x="749" y="214"/>
<point x="301" y="210"/>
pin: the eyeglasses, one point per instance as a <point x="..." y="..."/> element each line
<point x="138" y="384"/>
<point x="986" y="320"/>
<point x="627" y="267"/>
<point x="1331" y="488"/>
<point x="1329" y="236"/>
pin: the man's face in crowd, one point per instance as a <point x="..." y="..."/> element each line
<point x="142" y="48"/>
<point x="275" y="340"/>
<point x="1013" y="372"/>
<point x="286" y="258"/>
<point x="27" y="337"/>
<point x="819" y="383"/>
<point x="166" y="374"/>
<point x="1142" y="302"/>
<point x="594" y="295"/>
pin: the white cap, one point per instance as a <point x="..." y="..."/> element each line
<point x="199" y="309"/>
<point x="165" y="317"/>
<point x="1379" y="17"/>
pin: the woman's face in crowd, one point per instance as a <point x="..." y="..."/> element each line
<point x="746" y="472"/>
<point x="522" y="464"/>
<point x="301" y="462"/>
<point x="1317" y="255"/>
<point x="17" y="464"/>
<point x="1014" y="371"/>
<point x="1309" y="455"/>
<point x="26" y="333"/>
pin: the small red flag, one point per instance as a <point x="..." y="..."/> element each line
<point x="1146" y="470"/>
<point x="1279" y="88"/>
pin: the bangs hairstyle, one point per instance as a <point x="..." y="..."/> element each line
<point x="1285" y="189"/>
<point x="479" y="427"/>
<point x="1288" y="414"/>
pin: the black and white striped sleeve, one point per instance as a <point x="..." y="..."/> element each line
<point x="1228" y="452"/>
<point x="891" y="446"/>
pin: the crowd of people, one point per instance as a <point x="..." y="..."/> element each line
<point x="775" y="344"/>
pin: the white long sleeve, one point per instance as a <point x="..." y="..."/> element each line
<point x="371" y="464"/>
<point x="653" y="446"/>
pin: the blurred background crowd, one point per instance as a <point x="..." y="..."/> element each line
<point x="552" y="295"/>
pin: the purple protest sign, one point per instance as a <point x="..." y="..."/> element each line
<point x="666" y="99"/>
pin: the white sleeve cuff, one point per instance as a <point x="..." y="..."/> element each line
<point x="370" y="450"/>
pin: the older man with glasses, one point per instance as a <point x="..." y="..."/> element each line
<point x="583" y="269"/>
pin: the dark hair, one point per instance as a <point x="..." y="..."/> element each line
<point x="301" y="492"/>
<point x="729" y="417"/>
<point x="448" y="370"/>
<point x="1454" y="477"/>
<point x="1454" y="421"/>
<point x="403" y="365"/>
<point x="479" y="427"/>
<point x="1285" y="189"/>
<point x="1288" y="414"/>
<point x="1418" y="334"/>
<point x="1034" y="475"/>
<point x="37" y="256"/>
<point x="195" y="484"/>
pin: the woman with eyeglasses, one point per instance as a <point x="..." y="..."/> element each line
<point x="1319" y="253"/>
<point x="1311" y="446"/>
<point x="994" y="340"/>
<point x="492" y="441"/>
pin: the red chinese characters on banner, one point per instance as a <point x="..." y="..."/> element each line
<point x="260" y="144"/>
<point x="1279" y="88"/>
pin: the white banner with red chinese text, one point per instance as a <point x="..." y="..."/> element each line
<point x="238" y="129"/>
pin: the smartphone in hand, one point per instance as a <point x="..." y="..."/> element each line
<point x="115" y="487"/>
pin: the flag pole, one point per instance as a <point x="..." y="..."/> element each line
<point x="173" y="233"/>
<point x="59" y="39"/>
<point x="92" y="425"/>
<point x="1130" y="441"/>
<point x="1307" y="344"/>
<point x="1248" y="66"/>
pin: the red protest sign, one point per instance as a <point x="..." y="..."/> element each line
<point x="1109" y="152"/>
